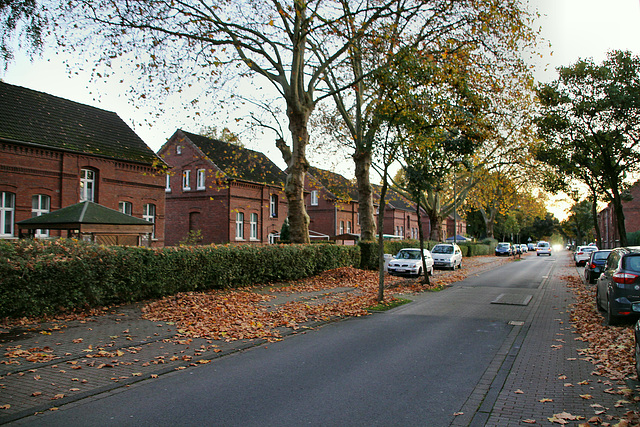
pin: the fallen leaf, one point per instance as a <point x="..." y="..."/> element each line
<point x="586" y="396"/>
<point x="546" y="399"/>
<point x="7" y="406"/>
<point x="36" y="393"/>
<point x="518" y="391"/>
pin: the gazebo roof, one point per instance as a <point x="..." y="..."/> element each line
<point x="88" y="217"/>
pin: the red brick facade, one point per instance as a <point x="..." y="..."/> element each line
<point x="225" y="209"/>
<point x="607" y="219"/>
<point x="37" y="173"/>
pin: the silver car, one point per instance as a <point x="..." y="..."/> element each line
<point x="447" y="255"/>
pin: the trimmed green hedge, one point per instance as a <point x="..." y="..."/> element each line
<point x="48" y="276"/>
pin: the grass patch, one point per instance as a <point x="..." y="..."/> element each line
<point x="396" y="302"/>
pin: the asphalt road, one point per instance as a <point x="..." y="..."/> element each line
<point x="415" y="365"/>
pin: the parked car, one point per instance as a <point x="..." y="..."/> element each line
<point x="618" y="287"/>
<point x="593" y="267"/>
<point x="408" y="262"/>
<point x="447" y="255"/>
<point x="543" y="248"/>
<point x="524" y="248"/>
<point x="531" y="246"/>
<point x="583" y="253"/>
<point x="504" y="248"/>
<point x="515" y="249"/>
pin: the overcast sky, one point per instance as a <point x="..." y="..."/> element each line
<point x="575" y="28"/>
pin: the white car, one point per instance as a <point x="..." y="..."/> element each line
<point x="408" y="262"/>
<point x="543" y="248"/>
<point x="447" y="255"/>
<point x="583" y="253"/>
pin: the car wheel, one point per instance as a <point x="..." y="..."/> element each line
<point x="609" y="317"/>
<point x="598" y="306"/>
<point x="460" y="265"/>
<point x="420" y="272"/>
<point x="430" y="272"/>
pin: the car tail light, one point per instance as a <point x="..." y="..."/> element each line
<point x="580" y="253"/>
<point x="624" y="278"/>
<point x="592" y="265"/>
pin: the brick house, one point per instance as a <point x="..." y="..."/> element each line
<point x="55" y="153"/>
<point x="332" y="205"/>
<point x="230" y="193"/>
<point x="607" y="219"/>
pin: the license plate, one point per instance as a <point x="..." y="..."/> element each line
<point x="399" y="270"/>
<point x="635" y="306"/>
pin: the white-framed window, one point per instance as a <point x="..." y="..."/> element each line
<point x="200" y="179"/>
<point x="186" y="180"/>
<point x="341" y="227"/>
<point x="314" y="197"/>
<point x="397" y="231"/>
<point x="7" y="211"/>
<point x="167" y="187"/>
<point x="253" y="223"/>
<point x="87" y="185"/>
<point x="273" y="238"/>
<point x="348" y="226"/>
<point x="273" y="206"/>
<point x="358" y="218"/>
<point x="149" y="214"/>
<point x="125" y="207"/>
<point x="40" y="204"/>
<point x="240" y="225"/>
<point x="178" y="149"/>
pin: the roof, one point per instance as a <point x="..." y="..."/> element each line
<point x="73" y="216"/>
<point x="239" y="162"/>
<point x="340" y="187"/>
<point x="31" y="117"/>
<point x="394" y="199"/>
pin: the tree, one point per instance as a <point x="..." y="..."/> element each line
<point x="590" y="126"/>
<point x="579" y="226"/>
<point x="423" y="44"/>
<point x="291" y="45"/>
<point x="25" y="17"/>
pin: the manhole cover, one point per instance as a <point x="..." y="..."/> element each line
<point x="512" y="299"/>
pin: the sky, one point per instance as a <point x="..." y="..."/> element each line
<point x="575" y="29"/>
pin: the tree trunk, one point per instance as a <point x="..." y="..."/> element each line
<point x="297" y="167"/>
<point x="436" y="227"/>
<point x="420" y="236"/>
<point x="383" y="205"/>
<point x="596" y="226"/>
<point x="619" y="214"/>
<point x="362" y="161"/>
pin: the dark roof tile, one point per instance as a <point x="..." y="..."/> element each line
<point x="31" y="117"/>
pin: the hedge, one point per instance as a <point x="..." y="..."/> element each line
<point x="40" y="277"/>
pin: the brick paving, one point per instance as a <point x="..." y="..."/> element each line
<point x="542" y="372"/>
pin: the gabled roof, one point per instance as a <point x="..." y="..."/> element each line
<point x="238" y="162"/>
<point x="394" y="199"/>
<point x="37" y="118"/>
<point x="82" y="213"/>
<point x="338" y="186"/>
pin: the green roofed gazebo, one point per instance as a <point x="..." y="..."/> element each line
<point x="93" y="222"/>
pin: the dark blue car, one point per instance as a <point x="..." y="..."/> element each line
<point x="504" y="248"/>
<point x="593" y="267"/>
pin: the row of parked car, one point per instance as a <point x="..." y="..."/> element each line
<point x="408" y="262"/>
<point x="506" y="248"/>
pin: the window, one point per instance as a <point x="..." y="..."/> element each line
<point x="87" y="185"/>
<point x="240" y="226"/>
<point x="254" y="226"/>
<point x="7" y="208"/>
<point x="40" y="204"/>
<point x="186" y="180"/>
<point x="178" y="149"/>
<point x="348" y="226"/>
<point x="341" y="227"/>
<point x="273" y="206"/>
<point x="125" y="207"/>
<point x="200" y="180"/>
<point x="149" y="214"/>
<point x="314" y="198"/>
<point x="167" y="188"/>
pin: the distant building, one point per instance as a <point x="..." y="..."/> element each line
<point x="607" y="219"/>
<point x="55" y="153"/>
<point x="228" y="193"/>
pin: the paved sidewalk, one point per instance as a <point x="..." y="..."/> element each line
<point x="544" y="374"/>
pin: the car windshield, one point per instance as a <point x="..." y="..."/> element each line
<point x="543" y="245"/>
<point x="442" y="249"/>
<point x="503" y="245"/>
<point x="600" y="255"/>
<point x="589" y="249"/>
<point x="408" y="255"/>
<point x="631" y="262"/>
